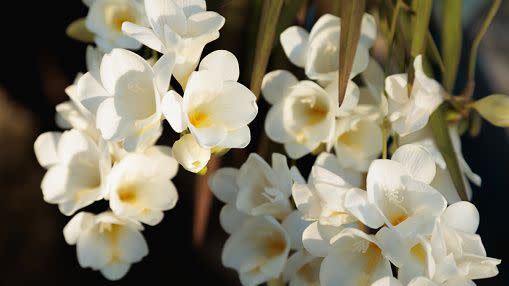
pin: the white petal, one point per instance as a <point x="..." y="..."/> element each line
<point x="356" y="202"/>
<point x="462" y="216"/>
<point x="161" y="13"/>
<point x="417" y="160"/>
<point x="144" y="35"/>
<point x="132" y="245"/>
<point x="295" y="226"/>
<point x="223" y="63"/>
<point x="236" y="107"/>
<point x="172" y="108"/>
<point x="276" y="85"/>
<point x="294" y="41"/>
<point x="108" y="121"/>
<point x="203" y="23"/>
<point x="45" y="148"/>
<point x="306" y="201"/>
<point x="231" y="219"/>
<point x="382" y="175"/>
<point x="93" y="249"/>
<point x="316" y="238"/>
<point x="120" y="68"/>
<point x="296" y="150"/>
<point x="237" y="138"/>
<point x="387" y="281"/>
<point x="223" y="184"/>
<point x="115" y="271"/>
<point x="162" y="71"/>
<point x="368" y="30"/>
<point x="73" y="229"/>
<point x="191" y="7"/>
<point x="90" y="92"/>
<point x="275" y="125"/>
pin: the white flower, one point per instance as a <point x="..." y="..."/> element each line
<point x="182" y="27"/>
<point x="355" y="259"/>
<point x="421" y="281"/>
<point x="190" y="154"/>
<point x="257" y="188"/>
<point x="318" y="51"/>
<point x="72" y="114"/>
<point x="77" y="168"/>
<point x="139" y="186"/>
<point x="258" y="250"/>
<point x="215" y="107"/>
<point x="106" y="243"/>
<point x="412" y="255"/>
<point x="126" y="99"/>
<point x="410" y="112"/>
<point x="105" y="18"/>
<point x="443" y="181"/>
<point x="303" y="113"/>
<point x="302" y="269"/>
<point x="358" y="138"/>
<point x="457" y="250"/>
<point x="399" y="188"/>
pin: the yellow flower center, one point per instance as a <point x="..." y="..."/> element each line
<point x="419" y="253"/>
<point x="127" y="194"/>
<point x="199" y="119"/>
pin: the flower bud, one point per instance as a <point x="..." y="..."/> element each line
<point x="190" y="154"/>
<point x="495" y="109"/>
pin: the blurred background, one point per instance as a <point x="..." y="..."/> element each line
<point x="38" y="60"/>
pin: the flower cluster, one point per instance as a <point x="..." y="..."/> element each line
<point x="348" y="229"/>
<point x="115" y="115"/>
<point x="357" y="217"/>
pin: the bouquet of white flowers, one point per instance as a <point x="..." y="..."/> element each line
<point x="387" y="198"/>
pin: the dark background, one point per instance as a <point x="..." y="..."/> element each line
<point x="37" y="61"/>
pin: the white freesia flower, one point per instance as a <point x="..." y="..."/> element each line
<point x="399" y="188"/>
<point x="182" y="27"/>
<point x="258" y="250"/>
<point x="443" y="181"/>
<point x="421" y="281"/>
<point x="302" y="269"/>
<point x="359" y="138"/>
<point x="410" y="112"/>
<point x="412" y="255"/>
<point x="105" y="18"/>
<point x="303" y="113"/>
<point x="106" y="243"/>
<point x="190" y="154"/>
<point x="257" y="188"/>
<point x="126" y="100"/>
<point x="318" y="51"/>
<point x="139" y="186"/>
<point x="457" y="250"/>
<point x="77" y="168"/>
<point x="215" y="107"/>
<point x="355" y="259"/>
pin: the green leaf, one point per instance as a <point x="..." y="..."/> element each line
<point x="451" y="40"/>
<point x="420" y="22"/>
<point x="264" y="42"/>
<point x="433" y="53"/>
<point x="78" y="31"/>
<point x="351" y="13"/>
<point x="438" y="121"/>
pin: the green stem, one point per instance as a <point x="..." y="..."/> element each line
<point x="475" y="44"/>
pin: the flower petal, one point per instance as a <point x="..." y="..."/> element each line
<point x="294" y="41"/>
<point x="276" y="85"/>
<point x="222" y="62"/>
<point x="417" y="160"/>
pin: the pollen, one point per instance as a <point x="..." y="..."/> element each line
<point x="199" y="119"/>
<point x="419" y="253"/>
<point x="398" y="218"/>
<point x="275" y="246"/>
<point x="119" y="20"/>
<point x="315" y="114"/>
<point x="127" y="194"/>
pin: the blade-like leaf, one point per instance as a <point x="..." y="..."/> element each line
<point x="420" y="22"/>
<point x="78" y="31"/>
<point x="433" y="54"/>
<point x="438" y="121"/>
<point x="451" y="40"/>
<point x="351" y="18"/>
<point x="264" y="42"/>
